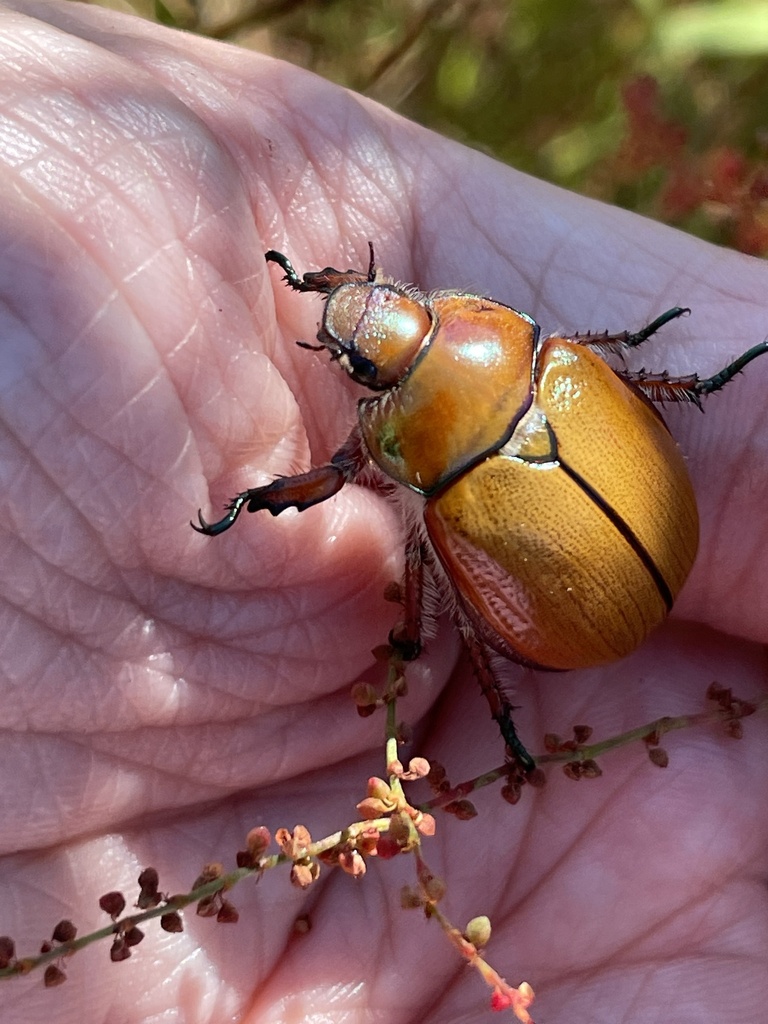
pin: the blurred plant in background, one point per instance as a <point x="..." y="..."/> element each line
<point x="660" y="106"/>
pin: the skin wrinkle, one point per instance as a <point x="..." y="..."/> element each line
<point x="29" y="453"/>
<point x="67" y="634"/>
<point x="54" y="401"/>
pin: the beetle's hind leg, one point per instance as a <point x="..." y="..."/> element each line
<point x="616" y="344"/>
<point x="661" y="387"/>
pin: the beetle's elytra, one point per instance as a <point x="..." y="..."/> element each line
<point x="557" y="507"/>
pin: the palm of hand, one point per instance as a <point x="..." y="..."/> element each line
<point x="166" y="693"/>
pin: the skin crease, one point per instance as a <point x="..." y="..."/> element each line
<point x="164" y="692"/>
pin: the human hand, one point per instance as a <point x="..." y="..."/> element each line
<point x="164" y="693"/>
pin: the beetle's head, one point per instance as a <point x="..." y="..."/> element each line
<point x="375" y="331"/>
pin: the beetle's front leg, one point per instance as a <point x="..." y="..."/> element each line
<point x="324" y="281"/>
<point x="300" y="492"/>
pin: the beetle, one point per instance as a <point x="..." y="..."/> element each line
<point x="557" y="513"/>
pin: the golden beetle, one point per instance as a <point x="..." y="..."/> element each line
<point x="555" y="556"/>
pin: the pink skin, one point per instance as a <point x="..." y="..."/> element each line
<point x="164" y="692"/>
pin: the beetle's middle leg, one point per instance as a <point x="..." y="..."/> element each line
<point x="662" y="387"/>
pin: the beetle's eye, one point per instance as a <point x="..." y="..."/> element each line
<point x="361" y="369"/>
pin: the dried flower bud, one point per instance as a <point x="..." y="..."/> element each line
<point x="537" y="778"/>
<point x="53" y="976"/>
<point x="7" y="950"/>
<point x="210" y="873"/>
<point x="512" y="792"/>
<point x="119" y="950"/>
<point x="149" y="880"/>
<point x="112" y="903"/>
<point x="301" y="837"/>
<point x="435" y="890"/>
<point x="148" y="895"/>
<point x="284" y="840"/>
<point x="410" y="899"/>
<point x="208" y="906"/>
<point x="581" y="733"/>
<point x="658" y="756"/>
<point x="437" y="777"/>
<point x="227" y="913"/>
<point x="433" y="887"/>
<point x="172" y="922"/>
<point x="364" y="695"/>
<point x="404" y="733"/>
<point x="64" y="931"/>
<point x="464" y="810"/>
<point x="133" y="936"/>
<point x="590" y="769"/>
<point x="302" y="876"/>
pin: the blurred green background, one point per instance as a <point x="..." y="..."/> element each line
<point x="656" y="105"/>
